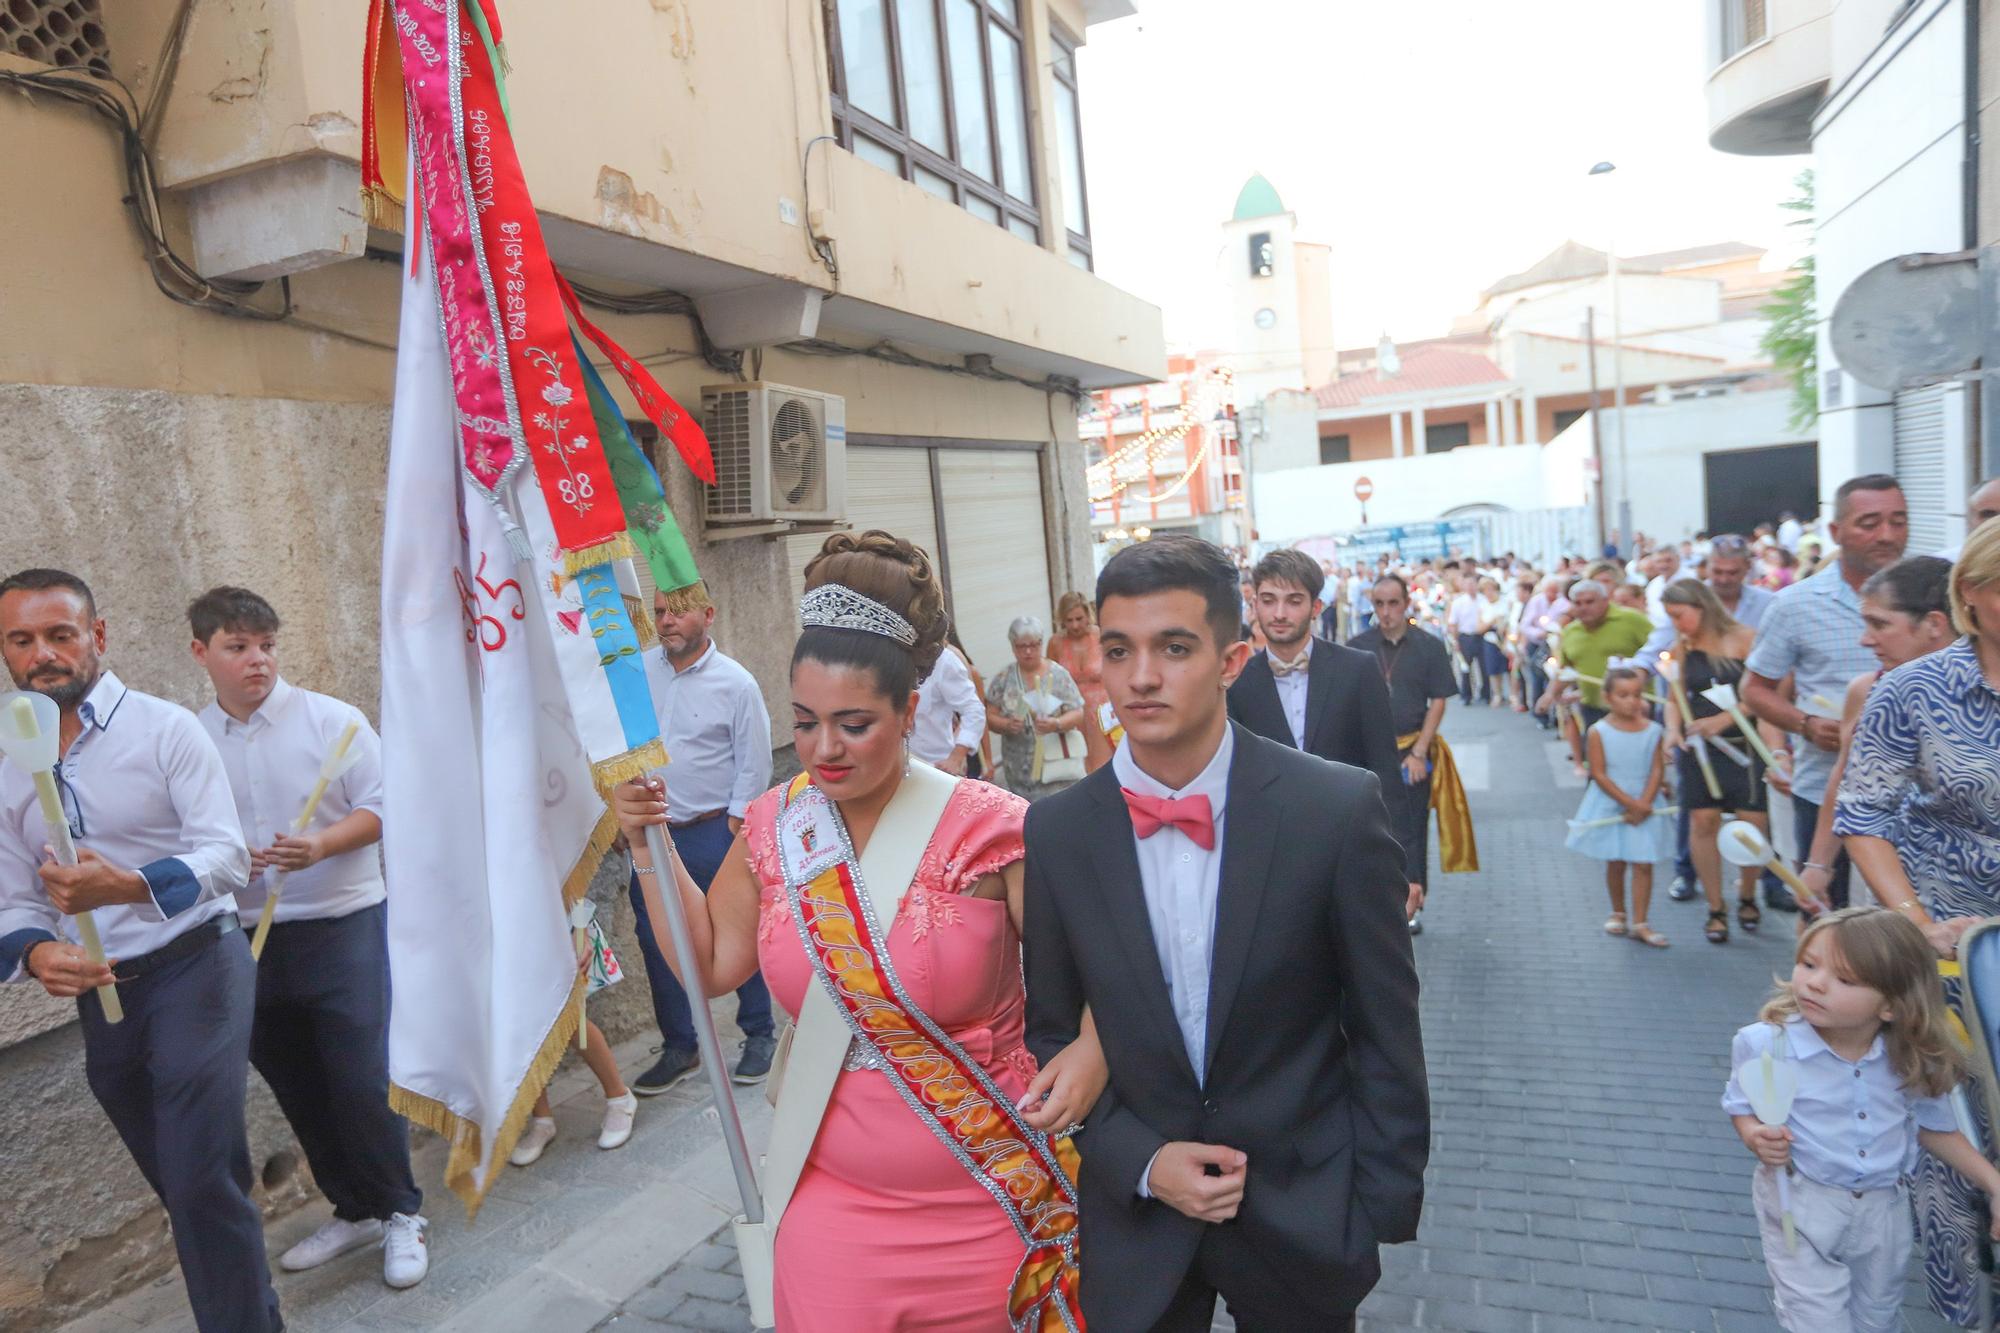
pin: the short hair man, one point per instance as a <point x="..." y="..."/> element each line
<point x="1270" y="1069"/>
<point x="715" y="725"/>
<point x="1812" y="633"/>
<point x="160" y="857"/>
<point x="1312" y="695"/>
<point x="1417" y="669"/>
<point x="321" y="1035"/>
<point x="1598" y="633"/>
<point x="1982" y="504"/>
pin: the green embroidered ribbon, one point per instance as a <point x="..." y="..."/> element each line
<point x="648" y="520"/>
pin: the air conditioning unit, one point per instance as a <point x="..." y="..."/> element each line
<point x="780" y="454"/>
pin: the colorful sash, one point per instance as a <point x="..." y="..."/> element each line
<point x="1030" y="1175"/>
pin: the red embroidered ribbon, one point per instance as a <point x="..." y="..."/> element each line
<point x="498" y="289"/>
<point x="659" y="406"/>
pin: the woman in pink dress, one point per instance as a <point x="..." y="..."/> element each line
<point x="1076" y="650"/>
<point x="886" y="1229"/>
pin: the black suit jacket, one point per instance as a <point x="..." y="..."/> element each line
<point x="1315" y="1066"/>
<point x="1347" y="710"/>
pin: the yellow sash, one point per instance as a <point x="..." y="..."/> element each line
<point x="1031" y="1175"/>
<point x="1458" y="849"/>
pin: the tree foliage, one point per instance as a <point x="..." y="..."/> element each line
<point x="1791" y="338"/>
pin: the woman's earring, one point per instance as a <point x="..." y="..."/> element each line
<point x="906" y="754"/>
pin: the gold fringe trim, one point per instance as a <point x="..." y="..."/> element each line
<point x="633" y="763"/>
<point x="642" y="623"/>
<point x="694" y="597"/>
<point x="594" y="852"/>
<point x="602" y="553"/>
<point x="463" y="1135"/>
<point x="382" y="210"/>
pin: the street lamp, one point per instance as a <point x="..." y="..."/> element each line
<point x="1617" y="372"/>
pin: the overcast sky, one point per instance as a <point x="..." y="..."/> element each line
<point x="1436" y="145"/>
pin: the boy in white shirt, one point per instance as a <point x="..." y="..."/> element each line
<point x="321" y="1037"/>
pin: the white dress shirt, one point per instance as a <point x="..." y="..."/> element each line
<point x="1292" y="689"/>
<point x="1182" y="881"/>
<point x="716" y="730"/>
<point x="1854" y="1125"/>
<point x="147" y="792"/>
<point x="947" y="693"/>
<point x="273" y="761"/>
<point x="1464" y="614"/>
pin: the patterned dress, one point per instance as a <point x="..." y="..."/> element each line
<point x="1924" y="773"/>
<point x="1009" y="693"/>
<point x="886" y="1232"/>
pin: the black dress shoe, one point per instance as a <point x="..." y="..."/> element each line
<point x="672" y="1067"/>
<point x="754" y="1066"/>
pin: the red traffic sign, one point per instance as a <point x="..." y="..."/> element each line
<point x="1364" y="489"/>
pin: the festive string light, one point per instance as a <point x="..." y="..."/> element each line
<point x="1102" y="477"/>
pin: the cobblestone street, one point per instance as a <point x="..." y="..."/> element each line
<point x="1582" y="1174"/>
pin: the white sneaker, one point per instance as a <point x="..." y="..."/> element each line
<point x="541" y="1131"/>
<point x="333" y="1239"/>
<point x="406" y="1250"/>
<point x="619" y="1112"/>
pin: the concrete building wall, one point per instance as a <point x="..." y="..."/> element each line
<point x="1887" y="151"/>
<point x="1666" y="443"/>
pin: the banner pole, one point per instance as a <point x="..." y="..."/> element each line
<point x="704" y="1024"/>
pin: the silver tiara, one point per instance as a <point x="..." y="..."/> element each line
<point x="833" y="606"/>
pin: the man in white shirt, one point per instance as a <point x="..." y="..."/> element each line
<point x="1790" y="532"/>
<point x="1981" y="505"/>
<point x="159" y="860"/>
<point x="950" y="719"/>
<point x="321" y="1038"/>
<point x="718" y="737"/>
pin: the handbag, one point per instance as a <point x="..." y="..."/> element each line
<point x="813" y="1050"/>
<point x="1059" y="757"/>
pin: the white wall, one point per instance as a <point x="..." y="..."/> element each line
<point x="1263" y="359"/>
<point x="1312" y="501"/>
<point x="1646" y="301"/>
<point x="1887" y="149"/>
<point x="1666" y="444"/>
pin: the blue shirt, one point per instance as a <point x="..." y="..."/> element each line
<point x="146" y="791"/>
<point x="1812" y="632"/>
<point x="1854" y="1125"/>
<point x="716" y="730"/>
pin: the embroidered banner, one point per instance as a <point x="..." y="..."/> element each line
<point x="520" y="394"/>
<point x="1030" y="1175"/>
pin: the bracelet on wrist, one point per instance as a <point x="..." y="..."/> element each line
<point x="1814" y="865"/>
<point x="638" y="869"/>
<point x="1907" y="905"/>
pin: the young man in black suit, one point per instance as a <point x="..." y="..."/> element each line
<point x="1266" y="1122"/>
<point x="1305" y="692"/>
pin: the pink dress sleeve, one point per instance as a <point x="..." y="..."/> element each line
<point x="979" y="835"/>
<point x="760" y="832"/>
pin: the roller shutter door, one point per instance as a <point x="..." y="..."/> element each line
<point x="1920" y="463"/>
<point x="997" y="545"/>
<point x="887" y="488"/>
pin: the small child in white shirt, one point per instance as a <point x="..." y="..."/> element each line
<point x="1866" y="1031"/>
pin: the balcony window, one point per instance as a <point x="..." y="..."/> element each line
<point x="1069" y="141"/>
<point x="1742" y="25"/>
<point x="1442" y="439"/>
<point x="1335" y="449"/>
<point x="936" y="91"/>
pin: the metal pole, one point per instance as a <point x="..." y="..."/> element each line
<point x="1596" y="431"/>
<point x="1618" y="404"/>
<point x="704" y="1022"/>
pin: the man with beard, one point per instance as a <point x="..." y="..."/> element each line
<point x="1417" y="668"/>
<point x="1812" y="632"/>
<point x="160" y="857"/>
<point x="1305" y="692"/>
<point x="716" y="728"/>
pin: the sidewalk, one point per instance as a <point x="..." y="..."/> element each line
<point x="1582" y="1175"/>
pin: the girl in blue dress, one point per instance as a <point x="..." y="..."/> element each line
<point x="1627" y="770"/>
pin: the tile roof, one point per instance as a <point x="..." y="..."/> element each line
<point x="1423" y="368"/>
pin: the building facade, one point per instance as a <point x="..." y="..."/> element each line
<point x="1882" y="95"/>
<point x="884" y="204"/>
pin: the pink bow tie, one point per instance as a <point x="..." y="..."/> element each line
<point x="1190" y="814"/>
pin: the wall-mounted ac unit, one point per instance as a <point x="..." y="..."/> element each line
<point x="780" y="454"/>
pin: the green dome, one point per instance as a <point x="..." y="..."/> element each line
<point x="1258" y="200"/>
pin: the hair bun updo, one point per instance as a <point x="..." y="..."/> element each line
<point x="895" y="572"/>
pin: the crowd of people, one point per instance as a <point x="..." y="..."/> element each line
<point x="1838" y="695"/>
